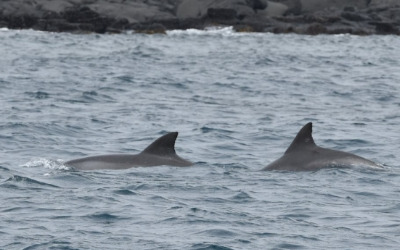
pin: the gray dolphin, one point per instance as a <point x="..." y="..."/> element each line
<point x="160" y="152"/>
<point x="304" y="155"/>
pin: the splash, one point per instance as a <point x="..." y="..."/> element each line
<point x="46" y="163"/>
<point x="226" y="31"/>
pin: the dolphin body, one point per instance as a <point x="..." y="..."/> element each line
<point x="160" y="152"/>
<point x="304" y="155"/>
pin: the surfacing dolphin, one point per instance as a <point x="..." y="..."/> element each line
<point x="160" y="152"/>
<point x="304" y="155"/>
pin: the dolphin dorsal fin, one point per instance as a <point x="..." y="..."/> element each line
<point x="164" y="145"/>
<point x="303" y="139"/>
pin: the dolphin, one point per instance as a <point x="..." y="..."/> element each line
<point x="160" y="152"/>
<point x="304" y="155"/>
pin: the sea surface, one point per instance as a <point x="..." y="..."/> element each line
<point x="237" y="101"/>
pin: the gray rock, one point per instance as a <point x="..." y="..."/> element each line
<point x="275" y="9"/>
<point x="221" y="14"/>
<point x="385" y="28"/>
<point x="316" y="5"/>
<point x="384" y="3"/>
<point x="155" y="16"/>
<point x="54" y="6"/>
<point x="294" y="6"/>
<point x="355" y="17"/>
<point x="133" y="11"/>
<point x="193" y="9"/>
<point x="316" y="29"/>
<point x="198" y="9"/>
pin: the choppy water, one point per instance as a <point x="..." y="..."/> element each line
<point x="237" y="100"/>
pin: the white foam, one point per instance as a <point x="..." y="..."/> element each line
<point x="208" y="31"/>
<point x="46" y="163"/>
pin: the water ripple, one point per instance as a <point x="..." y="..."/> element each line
<point x="17" y="179"/>
<point x="237" y="101"/>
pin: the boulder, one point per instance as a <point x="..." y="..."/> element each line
<point x="221" y="14"/>
<point x="22" y="21"/>
<point x="316" y="29"/>
<point x="155" y="16"/>
<point x="274" y="9"/>
<point x="257" y="4"/>
<point x="190" y="9"/>
<point x="385" y="28"/>
<point x="384" y="3"/>
<point x="133" y="11"/>
<point x="353" y="16"/>
<point x="294" y="6"/>
<point x="317" y="5"/>
<point x="54" y="6"/>
<point x="193" y="9"/>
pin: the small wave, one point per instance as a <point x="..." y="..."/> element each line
<point x="28" y="181"/>
<point x="142" y="186"/>
<point x="242" y="197"/>
<point x="104" y="217"/>
<point x="204" y="246"/>
<point x="4" y="168"/>
<point x="206" y="129"/>
<point x="90" y="97"/>
<point x="367" y="194"/>
<point x="38" y="95"/>
<point x="218" y="233"/>
<point x="51" y="245"/>
<point x="208" y="31"/>
<point x="288" y="246"/>
<point x="93" y="97"/>
<point x="124" y="192"/>
<point x="125" y="78"/>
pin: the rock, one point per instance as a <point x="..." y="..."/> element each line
<point x="54" y="6"/>
<point x="243" y="28"/>
<point x="133" y="11"/>
<point x="154" y="16"/>
<point x="350" y="9"/>
<point x="340" y="30"/>
<point x="199" y="9"/>
<point x="316" y="29"/>
<point x="352" y="16"/>
<point x="193" y="9"/>
<point x="151" y="29"/>
<point x="257" y="4"/>
<point x="294" y="6"/>
<point x="316" y="5"/>
<point x="88" y="19"/>
<point x="221" y="14"/>
<point x="384" y="3"/>
<point x="22" y="21"/>
<point x="80" y="15"/>
<point x="386" y="28"/>
<point x="274" y="9"/>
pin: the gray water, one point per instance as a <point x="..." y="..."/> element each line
<point x="237" y="101"/>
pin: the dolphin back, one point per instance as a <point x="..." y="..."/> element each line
<point x="304" y="155"/>
<point x="160" y="152"/>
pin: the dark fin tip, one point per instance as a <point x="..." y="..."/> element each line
<point x="303" y="138"/>
<point x="163" y="146"/>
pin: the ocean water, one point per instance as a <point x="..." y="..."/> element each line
<point x="237" y="101"/>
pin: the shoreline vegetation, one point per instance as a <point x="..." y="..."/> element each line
<point x="310" y="17"/>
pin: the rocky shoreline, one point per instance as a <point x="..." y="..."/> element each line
<point x="312" y="17"/>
